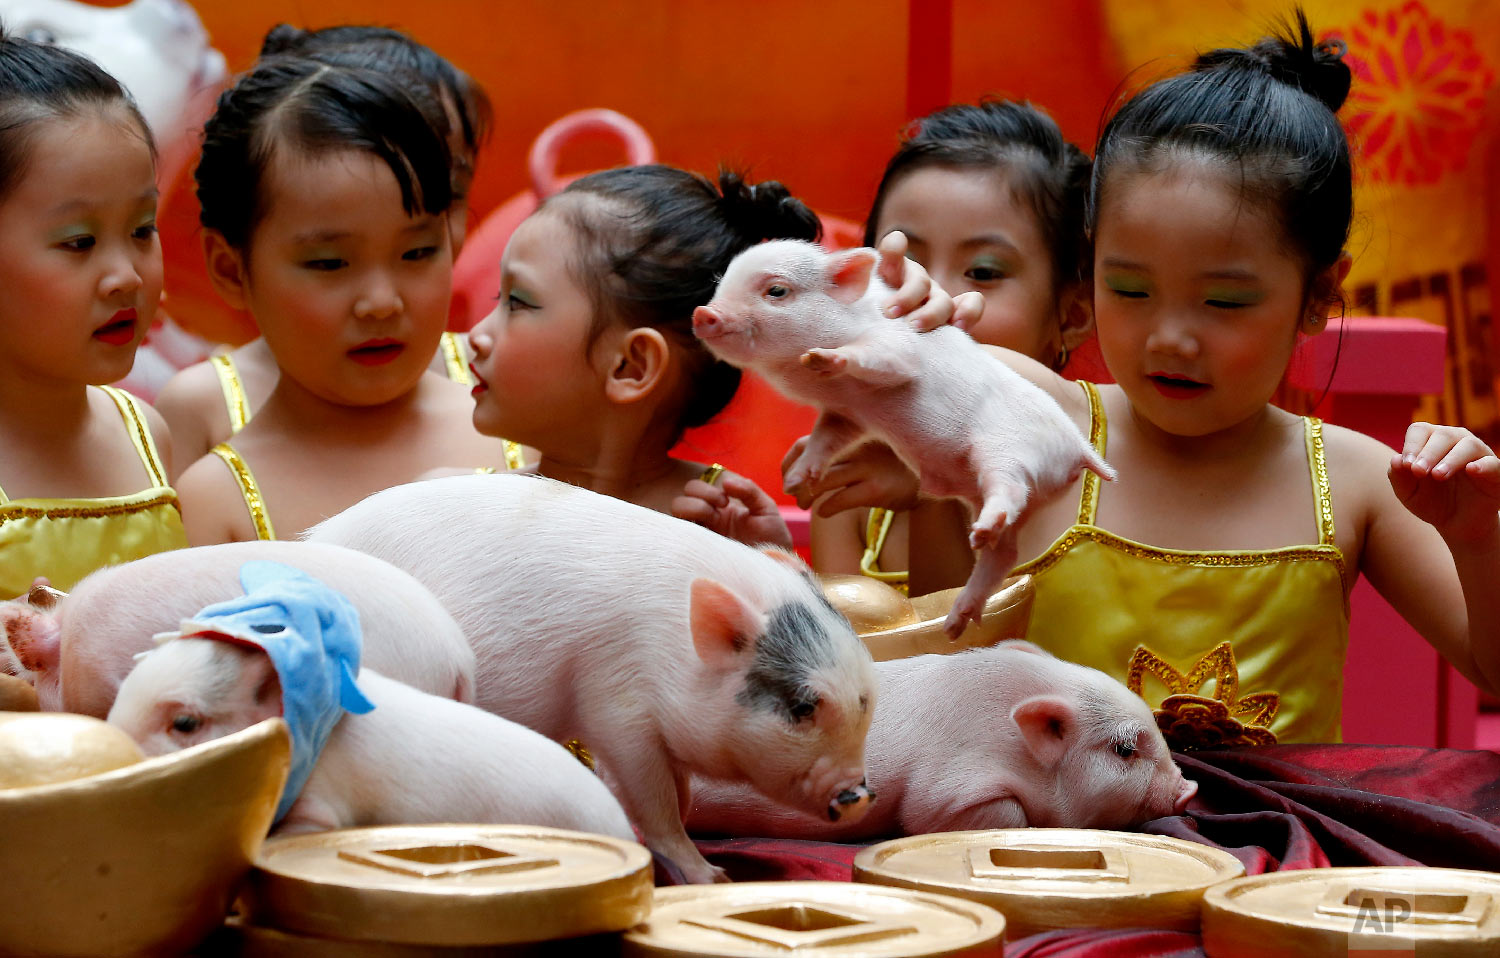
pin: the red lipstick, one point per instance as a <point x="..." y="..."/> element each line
<point x="479" y="384"/>
<point x="377" y="352"/>
<point x="1175" y="386"/>
<point x="120" y="329"/>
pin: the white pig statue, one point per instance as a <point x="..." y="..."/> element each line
<point x="971" y="428"/>
<point x="999" y="737"/>
<point x="414" y="759"/>
<point x="668" y="650"/>
<point x="78" y="651"/>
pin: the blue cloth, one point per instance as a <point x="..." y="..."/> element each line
<point x="312" y="636"/>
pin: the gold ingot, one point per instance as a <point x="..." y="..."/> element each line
<point x="809" y="918"/>
<point x="143" y="859"/>
<point x="16" y="695"/>
<point x="40" y="748"/>
<point x="1428" y="912"/>
<point x="449" y="884"/>
<point x="1044" y="879"/>
<point x="239" y="940"/>
<point x="895" y="627"/>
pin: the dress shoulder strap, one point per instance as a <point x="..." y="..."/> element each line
<point x="234" y="391"/>
<point x="453" y="359"/>
<point x="1088" y="498"/>
<point x="140" y="433"/>
<point x="260" y="516"/>
<point x="1317" y="466"/>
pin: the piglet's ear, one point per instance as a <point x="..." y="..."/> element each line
<point x="259" y="685"/>
<point x="34" y="636"/>
<point x="1048" y="726"/>
<point x="789" y="559"/>
<point x="849" y="274"/>
<point x="723" y="624"/>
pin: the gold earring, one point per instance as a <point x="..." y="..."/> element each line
<point x="1062" y="357"/>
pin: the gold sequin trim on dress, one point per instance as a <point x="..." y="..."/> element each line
<point x="1088" y="500"/>
<point x="453" y="358"/>
<point x="140" y="436"/>
<point x="581" y="752"/>
<point x="260" y="517"/>
<point x="1189" y="720"/>
<point x="134" y="503"/>
<point x="1322" y="494"/>
<point x="515" y="457"/>
<point x="235" y="402"/>
<point x="876" y="529"/>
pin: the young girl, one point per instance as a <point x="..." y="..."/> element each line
<point x="324" y="191"/>
<point x="590" y="355"/>
<point x="84" y="467"/>
<point x="207" y="403"/>
<point x="990" y="199"/>
<point x="1213" y="577"/>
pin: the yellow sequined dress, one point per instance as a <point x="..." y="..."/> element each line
<point x="1230" y="647"/>
<point x="238" y="407"/>
<point x="66" y="539"/>
<point x="877" y="527"/>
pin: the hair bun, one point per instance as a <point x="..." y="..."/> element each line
<point x="1293" y="58"/>
<point x="763" y="211"/>
<point x="282" y="38"/>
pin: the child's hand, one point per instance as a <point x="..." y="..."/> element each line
<point x="1447" y="477"/>
<point x="869" y="475"/>
<point x="924" y="303"/>
<point x="736" y="508"/>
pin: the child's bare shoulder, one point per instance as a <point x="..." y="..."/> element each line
<point x="213" y="508"/>
<point x="192" y="404"/>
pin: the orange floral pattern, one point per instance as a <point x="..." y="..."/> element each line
<point x="1417" y="99"/>
<point x="1189" y="720"/>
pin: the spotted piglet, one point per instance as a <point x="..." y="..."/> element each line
<point x="970" y="427"/>
<point x="668" y="650"/>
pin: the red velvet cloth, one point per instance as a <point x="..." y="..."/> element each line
<point x="1277" y="807"/>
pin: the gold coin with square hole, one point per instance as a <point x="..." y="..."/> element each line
<point x="813" y="920"/>
<point x="1316" y="912"/>
<point x="449" y="884"/>
<point x="1043" y="879"/>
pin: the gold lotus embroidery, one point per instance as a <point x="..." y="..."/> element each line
<point x="1189" y="720"/>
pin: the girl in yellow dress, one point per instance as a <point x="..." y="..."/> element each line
<point x="990" y="199"/>
<point x="590" y="357"/>
<point x="209" y="402"/>
<point x="1213" y="577"/>
<point x="83" y="466"/>
<point x="325" y="192"/>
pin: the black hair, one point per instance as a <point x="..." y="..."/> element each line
<point x="40" y="81"/>
<point x="1266" y="112"/>
<point x="300" y="103"/>
<point x="1046" y="172"/>
<point x="392" y="49"/>
<point x="652" y="249"/>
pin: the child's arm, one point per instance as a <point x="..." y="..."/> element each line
<point x="1432" y="545"/>
<point x="213" y="510"/>
<point x="189" y="402"/>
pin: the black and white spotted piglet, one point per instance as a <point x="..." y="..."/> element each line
<point x="668" y="650"/>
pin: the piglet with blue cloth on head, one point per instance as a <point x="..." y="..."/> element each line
<point x="312" y="636"/>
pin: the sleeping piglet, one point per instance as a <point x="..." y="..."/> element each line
<point x="970" y="427"/>
<point x="414" y="759"/>
<point x="76" y="649"/>
<point x="998" y="737"/>
<point x="667" y="649"/>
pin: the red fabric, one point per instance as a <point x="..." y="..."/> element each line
<point x="1277" y="807"/>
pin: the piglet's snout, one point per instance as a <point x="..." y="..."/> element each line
<point x="707" y="322"/>
<point x="851" y="804"/>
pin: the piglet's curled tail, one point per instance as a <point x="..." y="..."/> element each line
<point x="763" y="211"/>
